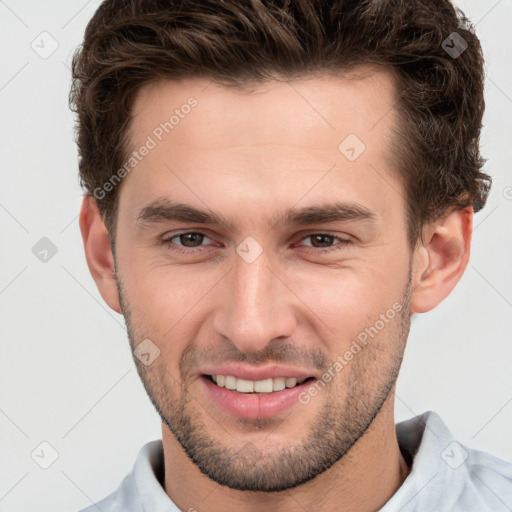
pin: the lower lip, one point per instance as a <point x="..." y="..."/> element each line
<point x="253" y="406"/>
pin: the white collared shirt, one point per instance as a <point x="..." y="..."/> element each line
<point x="445" y="476"/>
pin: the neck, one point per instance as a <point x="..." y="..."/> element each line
<point x="363" y="480"/>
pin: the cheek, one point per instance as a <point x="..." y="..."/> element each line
<point x="346" y="300"/>
<point x="168" y="304"/>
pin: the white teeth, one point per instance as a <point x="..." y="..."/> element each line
<point x="244" y="386"/>
<point x="291" y="382"/>
<point x="259" y="386"/>
<point x="263" y="386"/>
<point x="279" y="383"/>
<point x="230" y="382"/>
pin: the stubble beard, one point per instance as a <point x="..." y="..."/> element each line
<point x="335" y="429"/>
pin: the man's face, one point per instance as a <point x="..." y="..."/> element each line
<point x="271" y="287"/>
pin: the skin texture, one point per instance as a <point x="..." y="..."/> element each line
<point x="249" y="155"/>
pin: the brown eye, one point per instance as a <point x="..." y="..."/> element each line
<point x="187" y="240"/>
<point x="191" y="239"/>
<point x="321" y="240"/>
<point x="324" y="242"/>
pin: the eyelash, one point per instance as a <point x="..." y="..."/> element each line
<point x="342" y="242"/>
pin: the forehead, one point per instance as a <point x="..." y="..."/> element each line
<point x="310" y="107"/>
<point x="276" y="137"/>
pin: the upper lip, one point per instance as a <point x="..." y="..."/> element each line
<point x="251" y="372"/>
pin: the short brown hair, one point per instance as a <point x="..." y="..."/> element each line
<point x="130" y="43"/>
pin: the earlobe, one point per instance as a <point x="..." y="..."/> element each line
<point x="441" y="259"/>
<point x="98" y="252"/>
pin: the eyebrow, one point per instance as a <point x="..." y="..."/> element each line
<point x="165" y="210"/>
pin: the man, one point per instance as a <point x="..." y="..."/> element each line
<point x="273" y="190"/>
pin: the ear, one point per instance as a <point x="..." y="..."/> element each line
<point x="98" y="252"/>
<point x="440" y="260"/>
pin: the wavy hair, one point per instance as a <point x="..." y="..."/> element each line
<point x="440" y="97"/>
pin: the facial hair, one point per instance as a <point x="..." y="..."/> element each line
<point x="338" y="424"/>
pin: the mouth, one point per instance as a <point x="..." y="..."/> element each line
<point x="255" y="399"/>
<point x="258" y="387"/>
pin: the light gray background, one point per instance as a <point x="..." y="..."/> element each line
<point x="66" y="373"/>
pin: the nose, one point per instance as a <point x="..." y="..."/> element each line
<point x="255" y="306"/>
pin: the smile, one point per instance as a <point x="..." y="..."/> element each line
<point x="259" y="386"/>
<point x="245" y="400"/>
